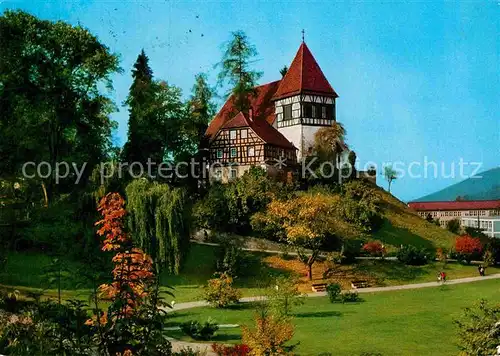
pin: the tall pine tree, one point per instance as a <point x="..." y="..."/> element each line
<point x="236" y="72"/>
<point x="143" y="141"/>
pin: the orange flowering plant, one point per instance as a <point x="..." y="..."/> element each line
<point x="133" y="321"/>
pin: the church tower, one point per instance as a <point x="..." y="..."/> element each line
<point x="304" y="102"/>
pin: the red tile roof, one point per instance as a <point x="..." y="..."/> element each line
<point x="455" y="205"/>
<point x="270" y="135"/>
<point x="304" y="76"/>
<point x="261" y="128"/>
<point x="263" y="108"/>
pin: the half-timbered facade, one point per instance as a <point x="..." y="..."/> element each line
<point x="281" y="125"/>
<point x="243" y="142"/>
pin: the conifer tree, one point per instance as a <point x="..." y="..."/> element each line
<point x="236" y="72"/>
<point x="201" y="106"/>
<point x="142" y="141"/>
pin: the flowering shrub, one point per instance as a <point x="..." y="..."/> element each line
<point x="220" y="292"/>
<point x="235" y="350"/>
<point x="374" y="248"/>
<point x="468" y="247"/>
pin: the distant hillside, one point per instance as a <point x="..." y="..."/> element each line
<point x="485" y="188"/>
<point x="404" y="227"/>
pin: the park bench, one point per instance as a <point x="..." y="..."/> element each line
<point x="319" y="287"/>
<point x="359" y="284"/>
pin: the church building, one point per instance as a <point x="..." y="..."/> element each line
<point x="278" y="131"/>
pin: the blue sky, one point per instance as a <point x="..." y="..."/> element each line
<point x="415" y="79"/>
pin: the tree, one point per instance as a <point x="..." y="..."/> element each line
<point x="52" y="106"/>
<point x="159" y="222"/>
<point x="283" y="296"/>
<point x="283" y="70"/>
<point x="235" y="70"/>
<point x="269" y="336"/>
<point x="352" y="163"/>
<point x="201" y="109"/>
<point x="133" y="322"/>
<point x="479" y="330"/>
<point x="140" y="102"/>
<point x="156" y="118"/>
<point x="220" y="292"/>
<point x="360" y="205"/>
<point x="308" y="220"/>
<point x="327" y="139"/>
<point x="390" y="175"/>
<point x="229" y="207"/>
<point x="468" y="247"/>
<point x="453" y="225"/>
<point x="201" y="106"/>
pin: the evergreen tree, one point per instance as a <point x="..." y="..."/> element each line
<point x="235" y="70"/>
<point x="142" y="141"/>
<point x="202" y="107"/>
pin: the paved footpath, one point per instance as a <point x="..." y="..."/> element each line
<point x="197" y="304"/>
<point x="178" y="345"/>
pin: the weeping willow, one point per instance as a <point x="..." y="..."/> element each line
<point x="159" y="222"/>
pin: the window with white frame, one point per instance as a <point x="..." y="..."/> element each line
<point x="234" y="152"/>
<point x="219" y="153"/>
<point x="251" y="151"/>
<point x="244" y="133"/>
<point x="232" y="134"/>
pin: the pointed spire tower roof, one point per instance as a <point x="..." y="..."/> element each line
<point x="304" y="77"/>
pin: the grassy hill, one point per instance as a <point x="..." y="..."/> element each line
<point x="484" y="186"/>
<point x="402" y="226"/>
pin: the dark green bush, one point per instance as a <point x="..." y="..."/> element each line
<point x="349" y="297"/>
<point x="199" y="331"/>
<point x="229" y="207"/>
<point x="349" y="251"/>
<point x="413" y="256"/>
<point x="333" y="290"/>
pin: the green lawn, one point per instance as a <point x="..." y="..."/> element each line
<point x="24" y="271"/>
<point x="411" y="322"/>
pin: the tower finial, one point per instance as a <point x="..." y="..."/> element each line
<point x="303" y="34"/>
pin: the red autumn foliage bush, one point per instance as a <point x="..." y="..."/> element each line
<point x="235" y="350"/>
<point x="468" y="246"/>
<point x="374" y="248"/>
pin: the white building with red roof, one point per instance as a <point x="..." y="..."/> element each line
<point x="483" y="214"/>
<point x="279" y="129"/>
